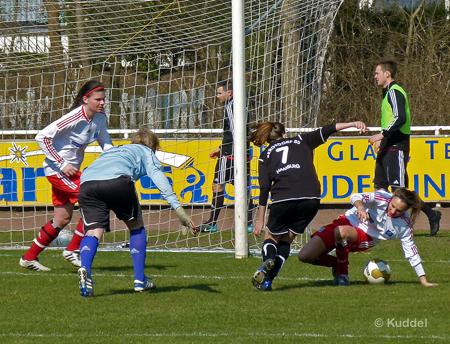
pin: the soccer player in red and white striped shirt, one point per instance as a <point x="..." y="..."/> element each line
<point x="63" y="143"/>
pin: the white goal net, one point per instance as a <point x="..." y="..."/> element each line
<point x="160" y="62"/>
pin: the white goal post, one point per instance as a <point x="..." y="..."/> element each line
<point x="240" y="129"/>
<point x="160" y="62"/>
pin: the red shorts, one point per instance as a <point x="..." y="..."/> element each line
<point x="64" y="189"/>
<point x="363" y="241"/>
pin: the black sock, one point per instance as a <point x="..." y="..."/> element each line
<point x="269" y="250"/>
<point x="283" y="251"/>
<point x="430" y="213"/>
<point x="216" y="206"/>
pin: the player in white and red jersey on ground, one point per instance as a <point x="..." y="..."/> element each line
<point x="63" y="143"/>
<point x="375" y="216"/>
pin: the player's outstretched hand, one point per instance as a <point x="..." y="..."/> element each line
<point x="425" y="283"/>
<point x="429" y="284"/>
<point x="361" y="126"/>
<point x="186" y="222"/>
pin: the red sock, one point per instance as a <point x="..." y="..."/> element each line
<point x="77" y="237"/>
<point x="45" y="237"/>
<point x="326" y="260"/>
<point x="342" y="253"/>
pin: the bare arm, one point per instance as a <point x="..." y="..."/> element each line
<point x="358" y="124"/>
<point x="259" y="223"/>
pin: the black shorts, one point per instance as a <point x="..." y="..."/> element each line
<point x="390" y="169"/>
<point x="98" y="197"/>
<point x="292" y="216"/>
<point x="224" y="172"/>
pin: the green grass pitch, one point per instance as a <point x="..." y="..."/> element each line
<point x="209" y="298"/>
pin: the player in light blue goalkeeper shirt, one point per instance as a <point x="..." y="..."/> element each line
<point x="108" y="184"/>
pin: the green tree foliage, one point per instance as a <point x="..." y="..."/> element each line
<point x="418" y="39"/>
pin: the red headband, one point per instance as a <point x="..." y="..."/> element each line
<point x="94" y="90"/>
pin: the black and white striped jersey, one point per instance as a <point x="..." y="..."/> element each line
<point x="227" y="146"/>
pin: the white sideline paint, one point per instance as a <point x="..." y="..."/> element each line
<point x="213" y="335"/>
<point x="46" y="275"/>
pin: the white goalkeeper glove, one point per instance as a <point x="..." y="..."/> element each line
<point x="186" y="222"/>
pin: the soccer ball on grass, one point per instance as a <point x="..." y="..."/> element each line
<point x="377" y="271"/>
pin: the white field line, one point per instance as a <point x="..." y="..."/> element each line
<point x="213" y="335"/>
<point x="50" y="274"/>
<point x="223" y="255"/>
<point x="228" y="256"/>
